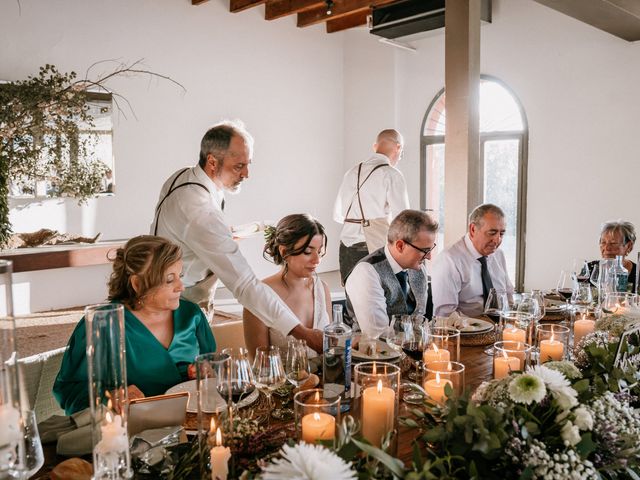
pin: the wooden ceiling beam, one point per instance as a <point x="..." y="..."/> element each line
<point x="340" y="9"/>
<point x="240" y="5"/>
<point x="281" y="8"/>
<point x="198" y="2"/>
<point x="349" y="21"/>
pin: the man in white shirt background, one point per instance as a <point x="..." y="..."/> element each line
<point x="383" y="194"/>
<point x="465" y="272"/>
<point x="190" y="213"/>
<point x="393" y="280"/>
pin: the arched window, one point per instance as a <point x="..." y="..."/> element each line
<point x="503" y="161"/>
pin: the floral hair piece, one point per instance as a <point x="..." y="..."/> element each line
<point x="269" y="232"/>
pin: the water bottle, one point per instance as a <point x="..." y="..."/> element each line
<point x="620" y="274"/>
<point x="336" y="361"/>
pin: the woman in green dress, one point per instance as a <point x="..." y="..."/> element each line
<point x="163" y="333"/>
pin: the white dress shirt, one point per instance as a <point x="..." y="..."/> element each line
<point x="192" y="218"/>
<point x="383" y="195"/>
<point x="456" y="280"/>
<point x="367" y="295"/>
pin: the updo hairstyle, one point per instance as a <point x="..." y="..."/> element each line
<point x="287" y="233"/>
<point x="146" y="256"/>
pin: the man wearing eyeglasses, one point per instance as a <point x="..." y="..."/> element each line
<point x="464" y="273"/>
<point x="393" y="280"/>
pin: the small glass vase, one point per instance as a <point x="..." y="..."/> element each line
<point x="108" y="396"/>
<point x="12" y="447"/>
<point x="316" y="416"/>
<point x="376" y="402"/>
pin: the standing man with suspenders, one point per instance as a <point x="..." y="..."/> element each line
<point x="190" y="213"/>
<point x="373" y="190"/>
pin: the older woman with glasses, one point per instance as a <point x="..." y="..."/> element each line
<point x="617" y="239"/>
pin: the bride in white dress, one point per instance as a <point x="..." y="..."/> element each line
<point x="297" y="245"/>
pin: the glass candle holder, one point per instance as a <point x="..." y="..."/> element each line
<point x="108" y="396"/>
<point x="619" y="303"/>
<point x="12" y="459"/>
<point x="510" y="356"/>
<point x="444" y="346"/>
<point x="552" y="342"/>
<point x="376" y="401"/>
<point x="316" y="416"/>
<point x="438" y="375"/>
<point x="583" y="322"/>
<point x="517" y="326"/>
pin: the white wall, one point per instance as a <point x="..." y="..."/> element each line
<point x="579" y="88"/>
<point x="285" y="83"/>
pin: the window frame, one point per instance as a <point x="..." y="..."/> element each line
<point x="522" y="136"/>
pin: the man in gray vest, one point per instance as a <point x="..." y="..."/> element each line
<point x="393" y="280"/>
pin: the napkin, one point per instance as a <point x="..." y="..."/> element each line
<point x="461" y="322"/>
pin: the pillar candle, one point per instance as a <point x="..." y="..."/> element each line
<point x="219" y="459"/>
<point x="318" y="426"/>
<point x="502" y="366"/>
<point x="378" y="412"/>
<point x="581" y="328"/>
<point x="435" y="354"/>
<point x="551" y="350"/>
<point x="435" y="388"/>
<point x="514" y="334"/>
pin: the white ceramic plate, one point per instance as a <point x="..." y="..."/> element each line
<point x="383" y="352"/>
<point x="475" y="326"/>
<point x="216" y="403"/>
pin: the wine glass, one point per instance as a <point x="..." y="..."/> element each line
<point x="581" y="270"/>
<point x="241" y="382"/>
<point x="567" y="284"/>
<point x="33" y="454"/>
<point x="297" y="363"/>
<point x="268" y="372"/>
<point x="496" y="304"/>
<point x="532" y="306"/>
<point x="414" y="342"/>
<point x="582" y="295"/>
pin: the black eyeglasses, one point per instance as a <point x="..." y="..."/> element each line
<point x="425" y="251"/>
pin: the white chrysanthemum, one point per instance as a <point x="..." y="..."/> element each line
<point x="557" y="384"/>
<point x="584" y="419"/>
<point x="570" y="433"/>
<point x="527" y="388"/>
<point x="308" y="462"/>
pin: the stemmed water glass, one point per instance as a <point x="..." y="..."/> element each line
<point x="497" y="303"/>
<point x="268" y="372"/>
<point x="297" y="363"/>
<point x="532" y="305"/>
<point x="241" y="381"/>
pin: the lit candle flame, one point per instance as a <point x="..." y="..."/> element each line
<point x="438" y="378"/>
<point x="109" y="405"/>
<point x="109" y="417"/>
<point x="379" y="386"/>
<point x="449" y="366"/>
<point x="316" y="416"/>
<point x="553" y="337"/>
<point x="213" y="424"/>
<point x="317" y="397"/>
<point x="218" y="437"/>
<point x="435" y="347"/>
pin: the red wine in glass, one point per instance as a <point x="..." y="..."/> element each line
<point x="493" y="314"/>
<point x="565" y="292"/>
<point x="413" y="350"/>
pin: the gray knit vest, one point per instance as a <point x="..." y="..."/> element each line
<point x="396" y="304"/>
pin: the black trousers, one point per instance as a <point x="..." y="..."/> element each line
<point x="349" y="256"/>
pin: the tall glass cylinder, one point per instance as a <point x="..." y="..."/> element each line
<point x="11" y="424"/>
<point x="107" y="371"/>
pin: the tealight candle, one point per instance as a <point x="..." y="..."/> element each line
<point x="435" y="388"/>
<point x="551" y="350"/>
<point x="435" y="355"/>
<point x="581" y="328"/>
<point x="503" y="366"/>
<point x="318" y="426"/>
<point x="514" y="334"/>
<point x="219" y="457"/>
<point x="378" y="412"/>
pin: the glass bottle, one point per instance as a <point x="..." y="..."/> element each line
<point x="620" y="274"/>
<point x="336" y="360"/>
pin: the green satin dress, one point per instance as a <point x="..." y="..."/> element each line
<point x="150" y="366"/>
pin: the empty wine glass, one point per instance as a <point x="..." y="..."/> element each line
<point x="497" y="303"/>
<point x="582" y="296"/>
<point x="581" y="270"/>
<point x="530" y="311"/>
<point x="297" y="363"/>
<point x="241" y="382"/>
<point x="268" y="372"/>
<point x="33" y="455"/>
